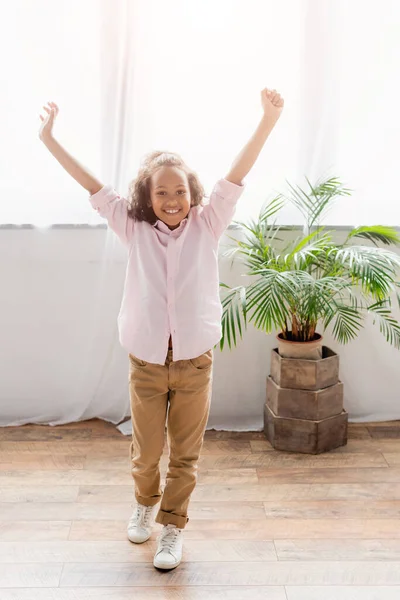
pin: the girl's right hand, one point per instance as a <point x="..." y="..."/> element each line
<point x="46" y="128"/>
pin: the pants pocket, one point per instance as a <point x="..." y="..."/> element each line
<point x="137" y="362"/>
<point x="202" y="362"/>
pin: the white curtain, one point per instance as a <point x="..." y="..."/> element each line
<point x="134" y="75"/>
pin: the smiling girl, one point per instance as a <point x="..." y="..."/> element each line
<point x="170" y="315"/>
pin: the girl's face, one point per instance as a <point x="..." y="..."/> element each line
<point x="170" y="195"/>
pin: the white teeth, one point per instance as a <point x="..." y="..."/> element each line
<point x="172" y="212"/>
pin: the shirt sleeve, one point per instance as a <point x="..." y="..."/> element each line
<point x="113" y="207"/>
<point x="220" y="210"/>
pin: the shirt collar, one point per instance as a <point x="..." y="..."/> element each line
<point x="163" y="227"/>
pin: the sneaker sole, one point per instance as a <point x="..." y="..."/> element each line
<point x="139" y="542"/>
<point x="165" y="567"/>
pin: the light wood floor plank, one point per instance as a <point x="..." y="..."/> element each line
<point x="79" y="477"/>
<point x="114" y="447"/>
<point x="334" y="509"/>
<point x="56" y="511"/>
<point x="34" y="530"/>
<point x="211" y="592"/>
<point x="250" y="492"/>
<point x="334" y="549"/>
<point x="353" y="445"/>
<point x="233" y="573"/>
<point x="326" y="475"/>
<point x="107" y="551"/>
<point x="38" y="493"/>
<point x="49" y="463"/>
<point x="254" y="460"/>
<point x="352" y="592"/>
<point x="253" y="529"/>
<point x="30" y="575"/>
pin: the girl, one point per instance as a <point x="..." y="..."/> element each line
<point x="170" y="316"/>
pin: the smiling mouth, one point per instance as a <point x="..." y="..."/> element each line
<point x="173" y="212"/>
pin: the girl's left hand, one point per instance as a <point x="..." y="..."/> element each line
<point x="272" y="103"/>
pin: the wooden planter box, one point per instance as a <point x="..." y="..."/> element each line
<point x="305" y="404"/>
<point x="302" y="374"/>
<point x="303" y="435"/>
<point x="304" y="408"/>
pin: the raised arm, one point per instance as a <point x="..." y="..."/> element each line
<point x="272" y="104"/>
<point x="104" y="198"/>
<point x="219" y="212"/>
<point x="70" y="164"/>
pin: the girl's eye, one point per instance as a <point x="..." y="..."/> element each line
<point x="183" y="192"/>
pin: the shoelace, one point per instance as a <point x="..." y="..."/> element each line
<point x="146" y="514"/>
<point x="168" y="538"/>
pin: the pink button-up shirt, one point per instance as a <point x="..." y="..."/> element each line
<point x="172" y="278"/>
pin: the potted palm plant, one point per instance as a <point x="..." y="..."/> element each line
<point x="299" y="286"/>
<point x="312" y="280"/>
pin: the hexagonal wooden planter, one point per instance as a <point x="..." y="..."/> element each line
<point x="303" y="374"/>
<point x="304" y="407"/>
<point x="303" y="435"/>
<point x="305" y="404"/>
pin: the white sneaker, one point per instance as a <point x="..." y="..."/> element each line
<point x="169" y="550"/>
<point x="141" y="523"/>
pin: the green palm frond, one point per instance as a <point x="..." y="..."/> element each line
<point x="376" y="233"/>
<point x="388" y="325"/>
<point x="347" y="322"/>
<point x="373" y="268"/>
<point x="271" y="208"/>
<point x="232" y="250"/>
<point x="256" y="246"/>
<point x="314" y="204"/>
<point x="305" y="253"/>
<point x="234" y="311"/>
<point x="251" y="226"/>
<point x="270" y="297"/>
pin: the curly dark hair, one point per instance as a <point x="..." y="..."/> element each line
<point x="140" y="208"/>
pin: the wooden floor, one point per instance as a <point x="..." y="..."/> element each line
<point x="263" y="524"/>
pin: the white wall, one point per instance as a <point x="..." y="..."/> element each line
<point x="59" y="304"/>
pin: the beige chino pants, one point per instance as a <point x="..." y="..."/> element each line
<point x="184" y="388"/>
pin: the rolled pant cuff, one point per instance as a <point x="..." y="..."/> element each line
<point x="165" y="518"/>
<point x="147" y="501"/>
